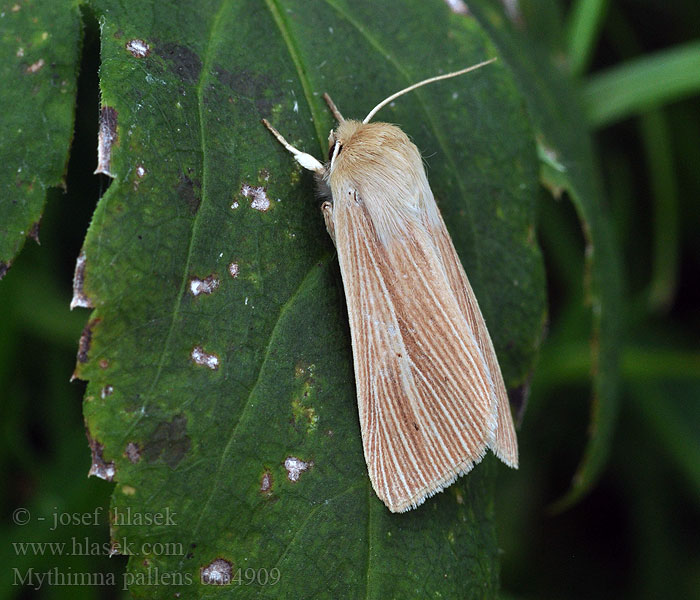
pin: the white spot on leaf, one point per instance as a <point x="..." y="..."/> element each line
<point x="34" y="67"/>
<point x="200" y="357"/>
<point x="203" y="286"/>
<point x="138" y="48"/>
<point x="295" y="467"/>
<point x="233" y="269"/>
<point x="458" y="7"/>
<point x="258" y="196"/>
<point x="217" y="572"/>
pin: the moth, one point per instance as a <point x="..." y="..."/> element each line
<point x="430" y="393"/>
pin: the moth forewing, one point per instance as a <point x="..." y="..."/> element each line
<point x="430" y="394"/>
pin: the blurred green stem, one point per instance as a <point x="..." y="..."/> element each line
<point x="572" y="363"/>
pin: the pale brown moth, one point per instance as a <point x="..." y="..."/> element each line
<point x="430" y="394"/>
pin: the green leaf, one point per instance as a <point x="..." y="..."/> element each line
<point x="200" y="404"/>
<point x="40" y="45"/>
<point x="636" y="86"/>
<point x="567" y="164"/>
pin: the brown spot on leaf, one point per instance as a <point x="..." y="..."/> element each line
<point x="181" y="61"/>
<point x="99" y="468"/>
<point x="133" y="452"/>
<point x="186" y="190"/>
<point x="251" y="86"/>
<point x="138" y="48"/>
<point x="217" y="572"/>
<point x="106" y="138"/>
<point x="79" y="297"/>
<point x="86" y="340"/>
<point x="168" y="442"/>
<point x="104" y="363"/>
<point x="4" y="268"/>
<point x="266" y="483"/>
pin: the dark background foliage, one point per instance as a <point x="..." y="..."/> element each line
<point x="633" y="536"/>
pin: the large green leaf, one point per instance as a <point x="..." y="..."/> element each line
<point x="40" y="46"/>
<point x="568" y="165"/>
<point x="218" y="352"/>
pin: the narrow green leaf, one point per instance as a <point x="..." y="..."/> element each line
<point x="666" y="218"/>
<point x="40" y="46"/>
<point x="641" y="84"/>
<point x="671" y="413"/>
<point x="202" y="403"/>
<point x="567" y="164"/>
<point x="582" y="31"/>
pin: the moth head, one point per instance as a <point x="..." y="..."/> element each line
<point x="340" y="138"/>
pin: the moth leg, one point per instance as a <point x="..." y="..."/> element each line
<point x="327" y="210"/>
<point x="334" y="108"/>
<point x="305" y="160"/>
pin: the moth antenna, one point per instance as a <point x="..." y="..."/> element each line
<point x="305" y="160"/>
<point x="334" y="108"/>
<point x="410" y="88"/>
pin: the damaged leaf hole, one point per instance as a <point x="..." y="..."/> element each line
<point x="99" y="468"/>
<point x="106" y="138"/>
<point x="295" y="467"/>
<point x="86" y="340"/>
<point x="33" y="233"/>
<point x="80" y="299"/>
<point x="217" y="572"/>
<point x="203" y="286"/>
<point x="233" y="270"/>
<point x="138" y="48"/>
<point x="205" y="359"/>
<point x="258" y="197"/>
